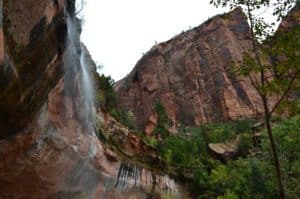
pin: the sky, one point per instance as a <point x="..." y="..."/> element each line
<point x="118" y="32"/>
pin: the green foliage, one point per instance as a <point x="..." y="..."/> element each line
<point x="243" y="126"/>
<point x="229" y="195"/>
<point x="243" y="178"/>
<point x="123" y="116"/>
<point x="257" y="180"/>
<point x="200" y="178"/>
<point x="179" y="152"/>
<point x="182" y="151"/>
<point x="292" y="107"/>
<point x="280" y="6"/>
<point x="151" y="141"/>
<point x="252" y="177"/>
<point x="272" y="64"/>
<point x="247" y="177"/>
<point x="244" y="144"/>
<point x="106" y="95"/>
<point x="162" y="120"/>
<point x="287" y="135"/>
<point x="225" y="131"/>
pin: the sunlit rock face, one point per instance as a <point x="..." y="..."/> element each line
<point x="191" y="75"/>
<point x="48" y="145"/>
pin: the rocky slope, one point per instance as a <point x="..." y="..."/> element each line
<point x="190" y="74"/>
<point x="54" y="141"/>
<point x="48" y="143"/>
<point x="291" y="20"/>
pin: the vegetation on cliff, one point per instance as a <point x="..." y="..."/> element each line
<point x="234" y="159"/>
<point x="247" y="174"/>
<point x="271" y="65"/>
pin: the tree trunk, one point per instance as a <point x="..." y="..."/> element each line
<point x="274" y="150"/>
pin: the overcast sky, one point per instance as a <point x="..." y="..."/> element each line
<point x="118" y="32"/>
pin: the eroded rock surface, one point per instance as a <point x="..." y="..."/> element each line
<point x="191" y="75"/>
<point x="32" y="41"/>
<point x="48" y="144"/>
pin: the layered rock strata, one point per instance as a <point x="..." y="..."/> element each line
<point x="192" y="76"/>
<point x="48" y="143"/>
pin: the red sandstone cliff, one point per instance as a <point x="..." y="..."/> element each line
<point x="48" y="143"/>
<point x="191" y="75"/>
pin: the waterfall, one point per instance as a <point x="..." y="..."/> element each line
<point x="86" y="81"/>
<point x="75" y="66"/>
<point x="77" y="76"/>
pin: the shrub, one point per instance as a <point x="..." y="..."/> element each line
<point x="106" y="95"/>
<point x="287" y="136"/>
<point x="151" y="142"/>
<point x="224" y="131"/>
<point x="220" y="132"/>
<point x="123" y="116"/>
<point x="179" y="152"/>
<point x="242" y="126"/>
<point x="162" y="120"/>
<point x="244" y="144"/>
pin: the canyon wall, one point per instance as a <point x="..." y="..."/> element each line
<point x="48" y="140"/>
<point x="192" y="76"/>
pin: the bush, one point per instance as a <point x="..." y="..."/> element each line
<point x="179" y="152"/>
<point x="224" y="131"/>
<point x="220" y="133"/>
<point x="106" y="95"/>
<point x="252" y="177"/>
<point x="287" y="137"/>
<point x="244" y="144"/>
<point x="242" y="126"/>
<point x="151" y="142"/>
<point x="123" y="116"/>
<point x="162" y="120"/>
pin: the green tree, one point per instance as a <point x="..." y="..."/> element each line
<point x="257" y="182"/>
<point x="179" y="152"/>
<point x="269" y="76"/>
<point x="287" y="136"/>
<point x="162" y="119"/>
<point x="107" y="95"/>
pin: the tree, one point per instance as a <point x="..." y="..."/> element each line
<point x="162" y="119"/>
<point x="272" y="65"/>
<point x="257" y="182"/>
<point x="107" y="97"/>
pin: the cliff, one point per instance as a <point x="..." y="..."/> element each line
<point x="191" y="75"/>
<point x="55" y="142"/>
<point x="48" y="137"/>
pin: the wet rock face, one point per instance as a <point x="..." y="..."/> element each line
<point x="132" y="179"/>
<point x="59" y="157"/>
<point x="32" y="42"/>
<point x="48" y="146"/>
<point x="191" y="75"/>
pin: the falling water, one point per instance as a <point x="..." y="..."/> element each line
<point x="75" y="63"/>
<point x="130" y="176"/>
<point x="74" y="66"/>
<point x="86" y="81"/>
